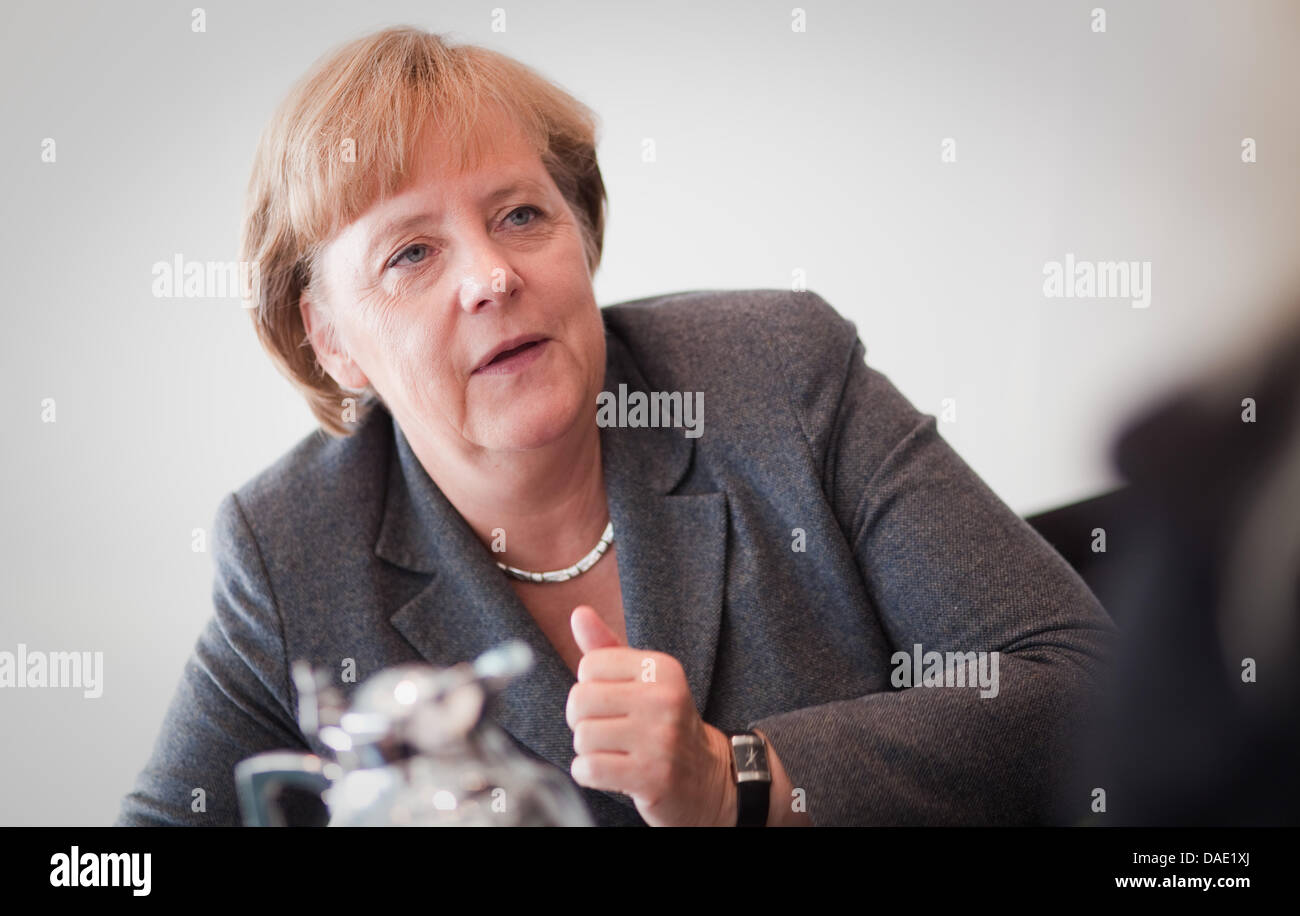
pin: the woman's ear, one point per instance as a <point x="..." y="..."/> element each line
<point x="331" y="354"/>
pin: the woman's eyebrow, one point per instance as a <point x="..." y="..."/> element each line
<point x="399" y="224"/>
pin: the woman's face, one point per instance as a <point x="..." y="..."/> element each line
<point x="428" y="285"/>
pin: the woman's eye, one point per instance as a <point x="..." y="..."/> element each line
<point x="416" y="251"/>
<point x="413" y="254"/>
<point x="524" y="209"/>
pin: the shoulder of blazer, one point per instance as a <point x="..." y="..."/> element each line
<point x="302" y="496"/>
<point x="742" y="347"/>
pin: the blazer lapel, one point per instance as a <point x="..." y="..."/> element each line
<point x="671" y="552"/>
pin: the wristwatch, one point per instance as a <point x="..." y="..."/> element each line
<point x="752" y="777"/>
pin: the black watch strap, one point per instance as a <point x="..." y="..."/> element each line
<point x="753" y="780"/>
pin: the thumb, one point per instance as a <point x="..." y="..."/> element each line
<point x="589" y="631"/>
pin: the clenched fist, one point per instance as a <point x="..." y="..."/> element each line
<point x="636" y="731"/>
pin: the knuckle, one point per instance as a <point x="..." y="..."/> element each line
<point x="584" y="771"/>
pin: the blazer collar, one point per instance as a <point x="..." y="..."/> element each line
<point x="671" y="555"/>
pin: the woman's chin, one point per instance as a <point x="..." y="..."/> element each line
<point x="527" y="426"/>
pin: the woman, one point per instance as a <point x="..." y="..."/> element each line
<point x="426" y="221"/>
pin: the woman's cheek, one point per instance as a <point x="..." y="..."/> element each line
<point x="399" y="331"/>
<point x="425" y="365"/>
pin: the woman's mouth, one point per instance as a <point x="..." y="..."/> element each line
<point x="515" y="359"/>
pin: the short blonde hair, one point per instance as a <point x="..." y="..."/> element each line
<point x="345" y="136"/>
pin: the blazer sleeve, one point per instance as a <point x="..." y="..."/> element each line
<point x="233" y="701"/>
<point x="949" y="566"/>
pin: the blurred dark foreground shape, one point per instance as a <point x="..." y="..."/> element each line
<point x="1201" y="725"/>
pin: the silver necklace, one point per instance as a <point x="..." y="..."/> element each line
<point x="564" y="575"/>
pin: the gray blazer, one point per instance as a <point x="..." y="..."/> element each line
<point x="819" y="525"/>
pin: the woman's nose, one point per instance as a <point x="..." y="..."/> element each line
<point x="486" y="279"/>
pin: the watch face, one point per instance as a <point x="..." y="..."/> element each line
<point x="751" y="758"/>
